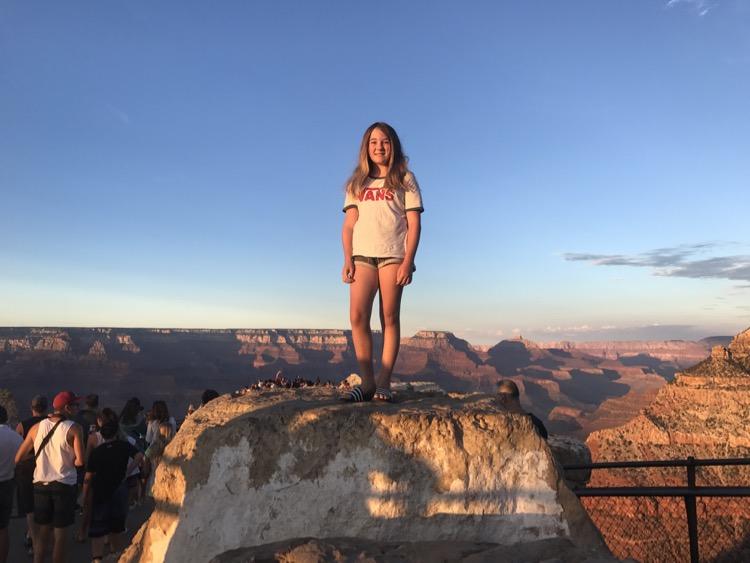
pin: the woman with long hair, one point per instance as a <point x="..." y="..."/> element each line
<point x="159" y="414"/>
<point x="380" y="237"/>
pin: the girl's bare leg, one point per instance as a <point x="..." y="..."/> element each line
<point x="361" y="296"/>
<point x="390" y="320"/>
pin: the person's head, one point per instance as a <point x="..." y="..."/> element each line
<point x="92" y="402"/>
<point x="160" y="412"/>
<point x="109" y="423"/>
<point x="66" y="403"/>
<point x="508" y="393"/>
<point x="39" y="405"/>
<point x="129" y="413"/>
<point x="380" y="147"/>
<point x="3" y="415"/>
<point x="208" y="395"/>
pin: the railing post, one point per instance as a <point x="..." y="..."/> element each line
<point x="691" y="511"/>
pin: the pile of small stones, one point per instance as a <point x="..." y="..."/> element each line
<point x="279" y="381"/>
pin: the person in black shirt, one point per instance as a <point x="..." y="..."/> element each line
<point x="88" y="416"/>
<point x="25" y="469"/>
<point x="509" y="396"/>
<point x="105" y="490"/>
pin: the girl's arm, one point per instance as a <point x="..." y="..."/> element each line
<point x="413" y="232"/>
<point x="347" y="234"/>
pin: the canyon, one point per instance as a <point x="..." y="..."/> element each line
<point x="703" y="414"/>
<point x="576" y="388"/>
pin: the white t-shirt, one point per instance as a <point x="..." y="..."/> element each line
<point x="380" y="230"/>
<point x="10" y="441"/>
<point x="152" y="430"/>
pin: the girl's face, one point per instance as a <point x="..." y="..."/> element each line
<point x="379" y="148"/>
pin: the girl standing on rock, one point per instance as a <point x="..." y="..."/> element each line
<point x="380" y="238"/>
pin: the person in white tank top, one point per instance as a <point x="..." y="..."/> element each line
<point x="56" y="461"/>
<point x="55" y="488"/>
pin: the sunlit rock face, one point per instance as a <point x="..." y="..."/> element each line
<point x="683" y="353"/>
<point x="293" y="346"/>
<point x="703" y="413"/>
<point x="283" y="464"/>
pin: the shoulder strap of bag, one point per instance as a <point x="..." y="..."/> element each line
<point x="47" y="438"/>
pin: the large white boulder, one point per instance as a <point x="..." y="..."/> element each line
<point x="282" y="464"/>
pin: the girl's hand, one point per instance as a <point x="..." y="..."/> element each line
<point x="347" y="274"/>
<point x="404" y="272"/>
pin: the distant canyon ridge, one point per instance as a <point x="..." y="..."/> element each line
<point x="575" y="387"/>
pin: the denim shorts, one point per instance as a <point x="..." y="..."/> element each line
<point x="109" y="515"/>
<point x="55" y="504"/>
<point x="379" y="262"/>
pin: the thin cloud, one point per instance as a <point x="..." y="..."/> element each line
<point x="677" y="262"/>
<point x="701" y="7"/>
<point x="118" y="114"/>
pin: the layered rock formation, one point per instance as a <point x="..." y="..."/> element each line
<point x="682" y="353"/>
<point x="278" y="465"/>
<point x="571" y="390"/>
<point x="703" y="413"/>
<point x="293" y="346"/>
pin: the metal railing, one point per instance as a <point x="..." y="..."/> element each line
<point x="645" y="523"/>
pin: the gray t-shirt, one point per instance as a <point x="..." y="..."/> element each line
<point x="380" y="230"/>
<point x="10" y="441"/>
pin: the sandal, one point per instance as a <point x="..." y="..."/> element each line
<point x="383" y="394"/>
<point x="356" y="395"/>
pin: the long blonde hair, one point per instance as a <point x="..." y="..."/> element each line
<point x="397" y="164"/>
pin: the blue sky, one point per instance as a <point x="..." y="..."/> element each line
<point x="584" y="165"/>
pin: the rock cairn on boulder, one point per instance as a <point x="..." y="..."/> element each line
<point x="280" y="464"/>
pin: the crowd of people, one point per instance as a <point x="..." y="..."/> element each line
<point x="78" y="458"/>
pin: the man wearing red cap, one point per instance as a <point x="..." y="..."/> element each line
<point x="58" y="445"/>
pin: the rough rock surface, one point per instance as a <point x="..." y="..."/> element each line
<point x="283" y="464"/>
<point x="574" y="389"/>
<point x="703" y="413"/>
<point x="7" y="401"/>
<point x="571" y="451"/>
<point x="684" y="353"/>
<point x="311" y="550"/>
<point x="97" y="349"/>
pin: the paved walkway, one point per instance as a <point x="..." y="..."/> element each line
<point x="81" y="552"/>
